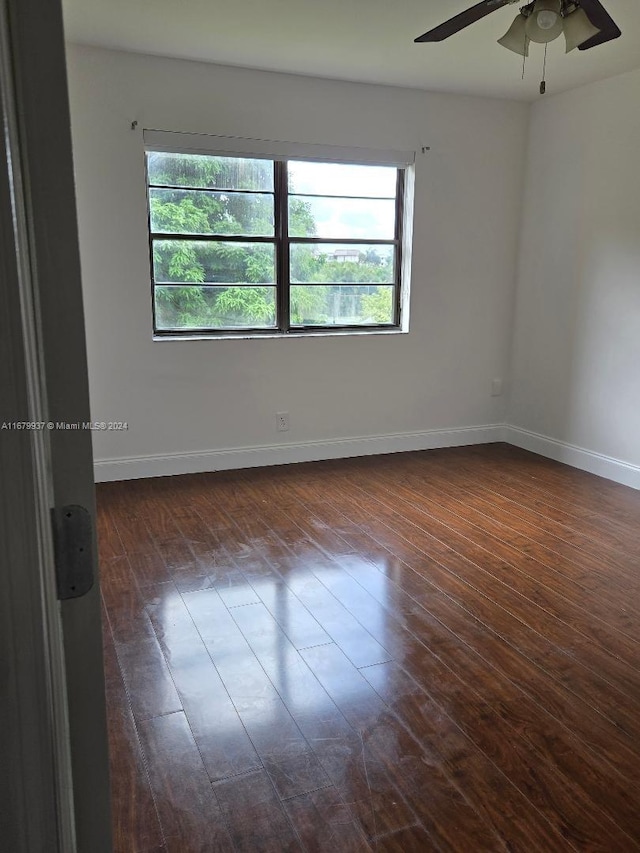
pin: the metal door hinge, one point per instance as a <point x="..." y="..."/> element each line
<point x="72" y="539"/>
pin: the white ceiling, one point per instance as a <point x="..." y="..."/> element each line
<point x="361" y="40"/>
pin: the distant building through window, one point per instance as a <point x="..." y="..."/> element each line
<point x="347" y="255"/>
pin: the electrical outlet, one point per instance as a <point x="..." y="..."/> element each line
<point x="282" y="421"/>
<point x="496" y="387"/>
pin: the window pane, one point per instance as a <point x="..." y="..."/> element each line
<point x="213" y="261"/>
<point x="205" y="170"/>
<point x="192" y="307"/>
<point x="341" y="262"/>
<point x="342" y="179"/>
<point x="342" y="218"/>
<point x="194" y="212"/>
<point x="341" y="305"/>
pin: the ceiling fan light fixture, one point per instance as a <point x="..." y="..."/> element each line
<point x="545" y="23"/>
<point x="578" y="29"/>
<point x="516" y="38"/>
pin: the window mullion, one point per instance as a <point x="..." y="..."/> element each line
<point x="282" y="243"/>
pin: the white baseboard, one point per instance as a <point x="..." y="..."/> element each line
<point x="132" y="468"/>
<point x="578" y="457"/>
<point x="136" y="467"/>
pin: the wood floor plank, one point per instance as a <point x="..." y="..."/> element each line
<point x="572" y="815"/>
<point x="279" y="658"/>
<point x="528" y="581"/>
<point x="356" y="642"/>
<point x="424" y="651"/>
<point x="237" y="665"/>
<point x="413" y="839"/>
<point x="135" y="534"/>
<point x="418" y="541"/>
<point x="125" y="608"/>
<point x="501" y="520"/>
<point x="109" y="542"/>
<point x="531" y="641"/>
<point x="371" y="794"/>
<point x="254" y="814"/>
<point x="149" y="568"/>
<point x="265" y="572"/>
<point x="177" y="555"/>
<point x="225" y="747"/>
<point x="143" y="667"/>
<point x="285" y="754"/>
<point x="135" y="823"/>
<point x="300" y="626"/>
<point x="540" y="565"/>
<point x="188" y="809"/>
<point x="147" y="678"/>
<point x="336" y="745"/>
<point x="598" y="494"/>
<point x="335" y="621"/>
<point x="324" y="823"/>
<point x="391" y="745"/>
<point x="544" y="520"/>
<point x="601" y="780"/>
<point x="596" y="734"/>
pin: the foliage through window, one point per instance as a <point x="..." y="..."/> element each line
<point x="262" y="245"/>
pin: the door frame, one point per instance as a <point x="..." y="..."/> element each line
<point x="55" y="784"/>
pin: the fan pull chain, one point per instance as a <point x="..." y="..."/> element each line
<point x="543" y="84"/>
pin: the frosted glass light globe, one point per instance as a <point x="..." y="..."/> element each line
<point x="544" y="24"/>
<point x="547" y="19"/>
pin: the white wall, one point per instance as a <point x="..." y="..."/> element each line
<point x="195" y="397"/>
<point x="576" y="356"/>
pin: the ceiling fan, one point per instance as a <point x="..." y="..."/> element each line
<point x="585" y="24"/>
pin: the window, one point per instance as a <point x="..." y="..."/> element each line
<point x="266" y="245"/>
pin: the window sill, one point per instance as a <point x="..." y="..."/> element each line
<point x="249" y="336"/>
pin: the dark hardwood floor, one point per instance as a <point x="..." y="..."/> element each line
<point x="424" y="651"/>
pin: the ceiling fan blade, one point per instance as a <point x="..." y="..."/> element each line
<point x="601" y="19"/>
<point x="464" y="19"/>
